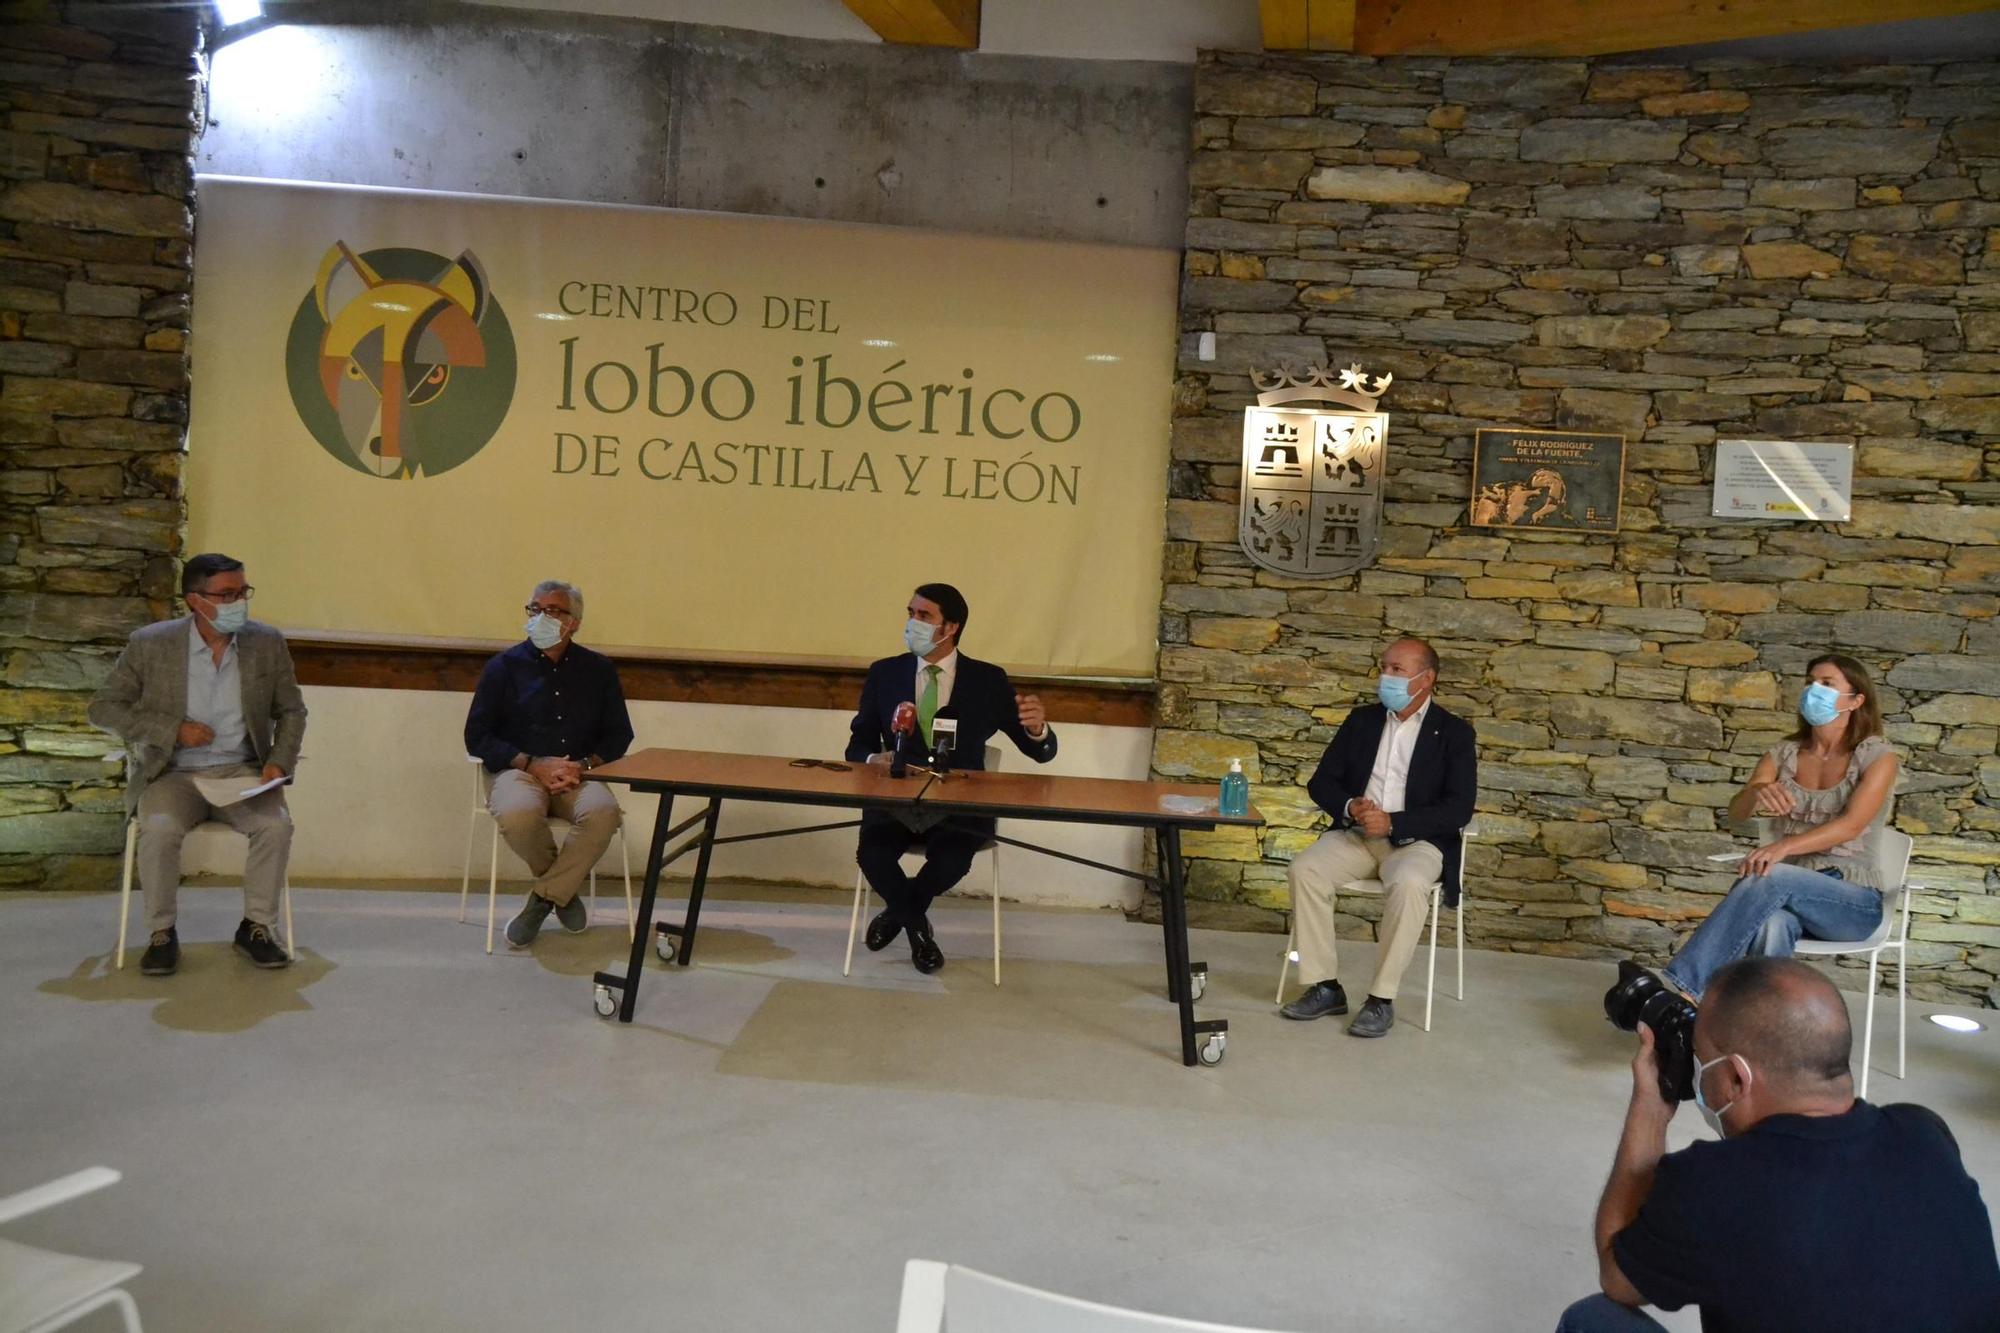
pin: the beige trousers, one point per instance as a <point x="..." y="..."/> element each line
<point x="170" y="806"/>
<point x="522" y="807"/>
<point x="1339" y="858"/>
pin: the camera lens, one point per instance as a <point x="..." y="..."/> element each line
<point x="1640" y="997"/>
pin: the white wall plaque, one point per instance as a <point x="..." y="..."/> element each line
<point x="1784" y="479"/>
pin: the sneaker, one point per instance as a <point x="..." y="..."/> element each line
<point x="1375" y="1019"/>
<point x="521" y="931"/>
<point x="1320" y="999"/>
<point x="574" y="916"/>
<point x="163" y="953"/>
<point x="260" y="946"/>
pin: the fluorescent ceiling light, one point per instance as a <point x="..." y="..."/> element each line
<point x="232" y="12"/>
<point x="1957" y="1023"/>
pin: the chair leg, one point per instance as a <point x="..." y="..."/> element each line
<point x="291" y="941"/>
<point x="125" y="890"/>
<point x="625" y="855"/>
<point x="1285" y="967"/>
<point x="1902" y="1004"/>
<point x="854" y="921"/>
<point x="1868" y="1024"/>
<point x="1431" y="975"/>
<point x="1458" y="914"/>
<point x="993" y="854"/>
<point x="465" y="882"/>
<point x="492" y="884"/>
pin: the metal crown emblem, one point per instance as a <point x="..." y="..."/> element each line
<point x="1349" y="387"/>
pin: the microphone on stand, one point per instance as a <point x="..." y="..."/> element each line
<point x="904" y="727"/>
<point x="944" y="739"/>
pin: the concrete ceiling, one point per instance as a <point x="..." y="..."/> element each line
<point x="1174" y="30"/>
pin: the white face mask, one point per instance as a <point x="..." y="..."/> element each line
<point x="1712" y="1115"/>
<point x="545" y="632"/>
<point x="920" y="637"/>
<point x="229" y="617"/>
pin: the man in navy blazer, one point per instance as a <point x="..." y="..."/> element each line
<point x="1399" y="780"/>
<point x="936" y="678"/>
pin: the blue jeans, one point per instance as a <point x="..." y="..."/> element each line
<point x="1601" y="1314"/>
<point x="1766" y="914"/>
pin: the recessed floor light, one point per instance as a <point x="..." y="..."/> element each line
<point x="1958" y="1023"/>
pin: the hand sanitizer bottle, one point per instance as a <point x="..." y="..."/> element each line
<point x="1235" y="798"/>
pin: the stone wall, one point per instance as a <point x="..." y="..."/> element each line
<point x="96" y="147"/>
<point x="1679" y="254"/>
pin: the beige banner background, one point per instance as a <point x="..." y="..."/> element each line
<point x="781" y="567"/>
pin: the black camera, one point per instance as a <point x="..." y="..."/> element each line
<point x="1640" y="997"/>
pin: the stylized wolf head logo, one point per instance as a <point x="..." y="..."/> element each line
<point x="390" y="348"/>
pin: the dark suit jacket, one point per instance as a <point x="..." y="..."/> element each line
<point x="1437" y="799"/>
<point x="981" y="699"/>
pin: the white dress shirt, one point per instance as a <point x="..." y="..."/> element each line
<point x="1391" y="775"/>
<point x="947" y="673"/>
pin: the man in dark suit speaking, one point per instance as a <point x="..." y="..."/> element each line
<point x="939" y="681"/>
<point x="1399" y="780"/>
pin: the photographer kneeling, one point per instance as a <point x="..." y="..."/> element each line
<point x="1816" y="1211"/>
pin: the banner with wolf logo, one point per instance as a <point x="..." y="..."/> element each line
<point x="743" y="436"/>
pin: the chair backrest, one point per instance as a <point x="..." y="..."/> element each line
<point x="1892" y="858"/>
<point x="975" y="1302"/>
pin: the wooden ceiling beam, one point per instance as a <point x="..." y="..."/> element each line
<point x="1605" y="27"/>
<point x="953" y="23"/>
<point x="1308" y="25"/>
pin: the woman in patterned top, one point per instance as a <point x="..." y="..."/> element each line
<point x="1825" y="792"/>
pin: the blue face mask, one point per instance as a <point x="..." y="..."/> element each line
<point x="1820" y="704"/>
<point x="1394" y="692"/>
<point x="545" y="632"/>
<point x="231" y="616"/>
<point x="920" y="637"/>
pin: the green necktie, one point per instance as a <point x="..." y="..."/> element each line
<point x="927" y="704"/>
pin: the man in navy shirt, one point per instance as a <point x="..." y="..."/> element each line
<point x="546" y="712"/>
<point x="1816" y="1211"/>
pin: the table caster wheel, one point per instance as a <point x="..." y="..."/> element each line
<point x="1198" y="984"/>
<point x="663" y="945"/>
<point x="604" y="1002"/>
<point x="1210" y="1051"/>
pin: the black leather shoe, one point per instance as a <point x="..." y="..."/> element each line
<point x="924" y="951"/>
<point x="1320" y="999"/>
<point x="260" y="946"/>
<point x="163" y="954"/>
<point x="881" y="932"/>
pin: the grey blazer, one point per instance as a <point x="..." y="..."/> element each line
<point x="144" y="701"/>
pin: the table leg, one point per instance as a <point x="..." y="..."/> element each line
<point x="1174" y="972"/>
<point x="628" y="985"/>
<point x="1201" y="1042"/>
<point x="700" y="880"/>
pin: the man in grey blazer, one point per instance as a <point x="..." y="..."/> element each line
<point x="209" y="695"/>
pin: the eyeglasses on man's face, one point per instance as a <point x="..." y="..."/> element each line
<point x="227" y="595"/>
<point x="559" y="612"/>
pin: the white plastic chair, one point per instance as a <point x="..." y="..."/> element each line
<point x="482" y="785"/>
<point x="42" y="1290"/>
<point x="210" y="826"/>
<point x="1892" y="856"/>
<point x="1437" y="905"/>
<point x="974" y="1302"/>
<point x="991" y="851"/>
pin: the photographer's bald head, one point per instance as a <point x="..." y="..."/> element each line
<point x="1773" y="1038"/>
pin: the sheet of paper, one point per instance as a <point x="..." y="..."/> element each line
<point x="228" y="791"/>
<point x="1728" y="856"/>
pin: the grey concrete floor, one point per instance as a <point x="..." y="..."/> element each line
<point x="401" y="1132"/>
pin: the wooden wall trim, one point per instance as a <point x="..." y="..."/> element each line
<point x="454" y="667"/>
